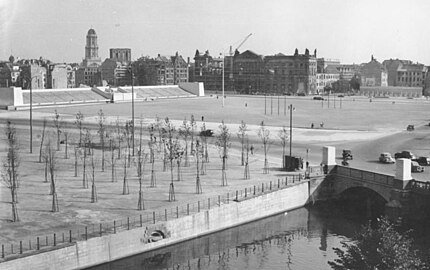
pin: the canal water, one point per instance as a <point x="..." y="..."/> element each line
<point x="299" y="239"/>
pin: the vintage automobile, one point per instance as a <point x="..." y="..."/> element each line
<point x="423" y="161"/>
<point x="386" y="158"/>
<point x="404" y="154"/>
<point x="207" y="133"/>
<point x="410" y="128"/>
<point x="347" y="154"/>
<point x="415" y="167"/>
<point x="318" y="98"/>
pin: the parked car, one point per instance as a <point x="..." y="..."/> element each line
<point x="347" y="154"/>
<point x="415" y="167"/>
<point x="340" y="96"/>
<point x="404" y="154"/>
<point x="301" y="94"/>
<point x="423" y="161"/>
<point x="386" y="158"/>
<point x="318" y="98"/>
<point x="410" y="128"/>
<point x="207" y="133"/>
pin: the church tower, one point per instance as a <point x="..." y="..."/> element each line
<point x="92" y="49"/>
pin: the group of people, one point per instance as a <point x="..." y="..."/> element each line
<point x="321" y="125"/>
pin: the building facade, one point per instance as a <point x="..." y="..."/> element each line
<point x="161" y="70"/>
<point x="58" y="76"/>
<point x="91" y="49"/>
<point x="115" y="73"/>
<point x="88" y="73"/>
<point x="373" y="74"/>
<point x="208" y="70"/>
<point x="180" y="69"/>
<point x="122" y="55"/>
<point x="34" y="74"/>
<point x="405" y="73"/>
<point x="248" y="72"/>
<point x="291" y="74"/>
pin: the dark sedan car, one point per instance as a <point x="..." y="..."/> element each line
<point x="423" y="161"/>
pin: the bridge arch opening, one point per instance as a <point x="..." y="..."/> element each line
<point x="362" y="202"/>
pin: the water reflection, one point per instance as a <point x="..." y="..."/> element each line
<point x="301" y="239"/>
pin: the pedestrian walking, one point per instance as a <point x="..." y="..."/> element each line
<point x="252" y="149"/>
<point x="312" y="125"/>
<point x="203" y="118"/>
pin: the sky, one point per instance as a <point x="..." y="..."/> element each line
<point x="348" y="30"/>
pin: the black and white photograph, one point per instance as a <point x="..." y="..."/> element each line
<point x="197" y="134"/>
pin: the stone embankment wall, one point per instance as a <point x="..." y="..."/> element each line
<point x="123" y="244"/>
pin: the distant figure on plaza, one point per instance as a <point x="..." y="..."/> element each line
<point x="217" y="97"/>
<point x="203" y="118"/>
<point x="252" y="149"/>
<point x="246" y="104"/>
<point x="307" y="164"/>
<point x="312" y="125"/>
<point x="322" y="124"/>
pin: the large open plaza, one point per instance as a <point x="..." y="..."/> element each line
<point x="355" y="123"/>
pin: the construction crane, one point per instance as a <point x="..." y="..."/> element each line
<point x="232" y="53"/>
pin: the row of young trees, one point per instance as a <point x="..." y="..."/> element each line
<point x="173" y="146"/>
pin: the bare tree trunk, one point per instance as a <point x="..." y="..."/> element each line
<point x="41" y="140"/>
<point x="76" y="161"/>
<point x="93" y="184"/>
<point x="178" y="162"/>
<point x="84" y="165"/>
<point x="125" y="188"/>
<point x="153" y="176"/>
<point x="112" y="151"/>
<point x="66" y="142"/>
<point x="224" y="173"/>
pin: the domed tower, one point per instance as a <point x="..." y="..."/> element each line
<point x="92" y="49"/>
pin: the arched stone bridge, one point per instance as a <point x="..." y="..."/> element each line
<point x="405" y="196"/>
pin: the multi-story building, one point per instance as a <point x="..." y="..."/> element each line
<point x="88" y="73"/>
<point x="33" y="73"/>
<point x="58" y="76"/>
<point x="162" y="70"/>
<point x="71" y="76"/>
<point x="208" y="70"/>
<point x="122" y="55"/>
<point x="328" y="76"/>
<point x="347" y="72"/>
<point x="88" y="76"/>
<point x="180" y="69"/>
<point x="248" y="72"/>
<point x="91" y="49"/>
<point x="291" y="73"/>
<point x="9" y="74"/>
<point x="405" y="73"/>
<point x="373" y="74"/>
<point x="115" y="73"/>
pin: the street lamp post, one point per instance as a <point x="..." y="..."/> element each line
<point x="31" y="117"/>
<point x="291" y="126"/>
<point x="223" y="81"/>
<point x="31" y="113"/>
<point x="132" y="106"/>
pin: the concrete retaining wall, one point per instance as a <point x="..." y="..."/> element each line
<point x="115" y="246"/>
<point x="196" y="88"/>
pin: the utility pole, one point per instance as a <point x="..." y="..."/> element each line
<point x="291" y="126"/>
<point x="132" y="106"/>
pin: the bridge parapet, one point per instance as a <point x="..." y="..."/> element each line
<point x="420" y="186"/>
<point x="368" y="176"/>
